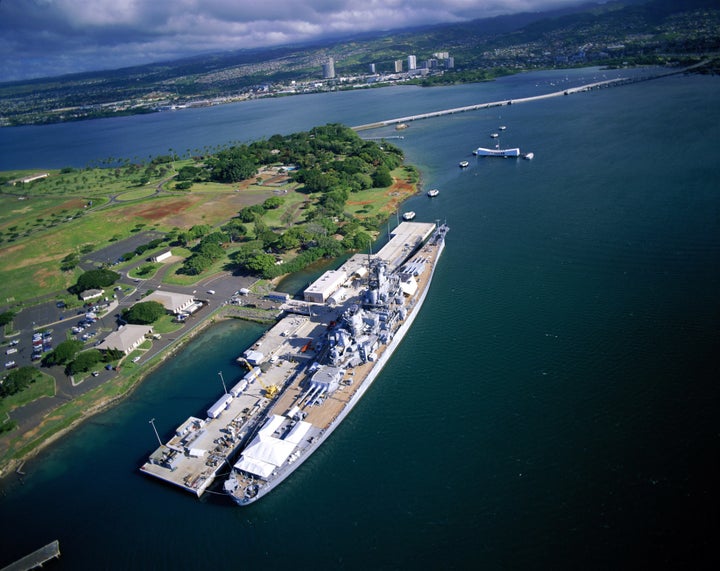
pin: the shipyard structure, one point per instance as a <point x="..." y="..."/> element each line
<point x="306" y="373"/>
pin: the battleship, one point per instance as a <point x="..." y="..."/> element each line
<point x="307" y="372"/>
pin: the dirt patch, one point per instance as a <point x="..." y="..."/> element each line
<point x="44" y="277"/>
<point x="199" y="208"/>
<point x="24" y="262"/>
<point x="397" y="193"/>
<point x="72" y="204"/>
<point x="161" y="209"/>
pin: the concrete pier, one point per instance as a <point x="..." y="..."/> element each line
<point x="36" y="558"/>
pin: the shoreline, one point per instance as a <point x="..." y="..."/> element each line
<point x="223" y="313"/>
<point x="13" y="465"/>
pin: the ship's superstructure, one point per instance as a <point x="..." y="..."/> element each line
<point x="311" y="369"/>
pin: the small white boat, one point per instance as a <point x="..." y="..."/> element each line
<point x="433" y="192"/>
<point x="464" y="164"/>
<point x="494" y="135"/>
<point x="408" y="215"/>
<point x="502" y="127"/>
<point x="528" y="156"/>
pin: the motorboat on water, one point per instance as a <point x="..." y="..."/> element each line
<point x="433" y="192"/>
<point x="464" y="164"/>
<point x="528" y="156"/>
<point x="408" y="215"/>
<point x="494" y="135"/>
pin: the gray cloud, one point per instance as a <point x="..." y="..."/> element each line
<point x="51" y="37"/>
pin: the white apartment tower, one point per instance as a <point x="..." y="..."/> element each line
<point x="412" y="62"/>
<point x="329" y="69"/>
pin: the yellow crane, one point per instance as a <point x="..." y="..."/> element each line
<point x="271" y="391"/>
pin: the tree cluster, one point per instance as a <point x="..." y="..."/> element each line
<point x="95" y="279"/>
<point x="144" y="313"/>
<point x="6" y="317"/>
<point x="205" y="253"/>
<point x="17" y="380"/>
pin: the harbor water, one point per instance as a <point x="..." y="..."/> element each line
<point x="554" y="405"/>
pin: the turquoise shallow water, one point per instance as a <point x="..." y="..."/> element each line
<point x="554" y="405"/>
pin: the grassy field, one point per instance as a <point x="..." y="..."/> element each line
<point x="87" y="209"/>
<point x="44" y="221"/>
<point x="384" y="201"/>
<point x="84" y="211"/>
<point x="44" y="386"/>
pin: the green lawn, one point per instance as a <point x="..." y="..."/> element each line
<point x="166" y="324"/>
<point x="44" y="386"/>
<point x="137" y="194"/>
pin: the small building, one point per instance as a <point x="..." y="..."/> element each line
<point x="91" y="294"/>
<point x="324" y="286"/>
<point x="278" y="296"/>
<point x="173" y="302"/>
<point x="30" y="178"/>
<point x="220" y="405"/>
<point x="253" y="357"/>
<point x="126" y="339"/>
<point x="161" y="256"/>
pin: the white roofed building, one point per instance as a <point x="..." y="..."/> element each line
<point x="126" y="339"/>
<point x="91" y="294"/>
<point x="160" y="256"/>
<point x="267" y="452"/>
<point x="172" y="301"/>
<point x="324" y="286"/>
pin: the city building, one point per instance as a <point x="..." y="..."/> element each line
<point x="329" y="69"/>
<point x="412" y="63"/>
<point x="398" y="65"/>
<point x="372" y="68"/>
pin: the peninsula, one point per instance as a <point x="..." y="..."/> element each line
<point x="188" y="235"/>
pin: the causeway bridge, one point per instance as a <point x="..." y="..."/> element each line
<point x="568" y="91"/>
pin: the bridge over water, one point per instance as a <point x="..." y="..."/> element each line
<point x="569" y="91"/>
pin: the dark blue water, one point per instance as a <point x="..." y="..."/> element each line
<point x="197" y="130"/>
<point x="554" y="406"/>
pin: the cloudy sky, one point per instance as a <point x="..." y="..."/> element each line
<point x="41" y="38"/>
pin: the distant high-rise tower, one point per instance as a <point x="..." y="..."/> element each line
<point x="412" y="62"/>
<point x="398" y="65"/>
<point x="372" y="68"/>
<point x="329" y="69"/>
<point x="450" y="62"/>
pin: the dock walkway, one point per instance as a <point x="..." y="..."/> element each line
<point x="36" y="558"/>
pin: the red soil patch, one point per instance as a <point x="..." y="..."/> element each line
<point x="399" y="191"/>
<point x="161" y="209"/>
<point x="72" y="204"/>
